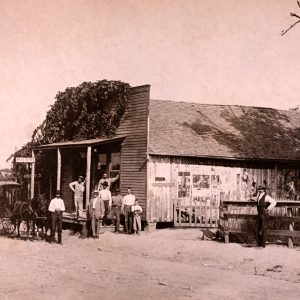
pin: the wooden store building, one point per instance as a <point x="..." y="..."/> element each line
<point x="181" y="159"/>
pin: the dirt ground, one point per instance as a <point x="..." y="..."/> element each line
<point x="165" y="264"/>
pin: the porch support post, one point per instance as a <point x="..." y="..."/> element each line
<point x="88" y="175"/>
<point x="32" y="176"/>
<point x="58" y="169"/>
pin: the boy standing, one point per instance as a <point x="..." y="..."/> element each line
<point x="56" y="207"/>
<point x="136" y="211"/>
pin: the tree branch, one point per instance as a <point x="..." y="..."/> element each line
<point x="294" y="15"/>
<point x="283" y="32"/>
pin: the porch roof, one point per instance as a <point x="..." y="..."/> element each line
<point x="80" y="144"/>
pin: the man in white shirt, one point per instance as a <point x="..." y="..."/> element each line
<point x="105" y="195"/>
<point x="128" y="202"/>
<point x="109" y="181"/>
<point x="265" y="204"/>
<point x="78" y="188"/>
<point x="56" y="207"/>
<point x="136" y="210"/>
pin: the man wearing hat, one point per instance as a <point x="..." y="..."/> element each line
<point x="56" y="207"/>
<point x="105" y="195"/>
<point x="78" y="188"/>
<point x="117" y="203"/>
<point x="265" y="204"/>
<point x="96" y="210"/>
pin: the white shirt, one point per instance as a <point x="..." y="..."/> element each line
<point x="129" y="199"/>
<point x="267" y="199"/>
<point x="95" y="201"/>
<point x="78" y="188"/>
<point x="57" y="204"/>
<point x="136" y="208"/>
<point x="109" y="182"/>
<point x="105" y="194"/>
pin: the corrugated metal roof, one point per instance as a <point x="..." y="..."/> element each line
<point x="223" y="131"/>
<point x="83" y="143"/>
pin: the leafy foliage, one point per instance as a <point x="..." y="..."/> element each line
<point x="87" y="111"/>
<point x="90" y="110"/>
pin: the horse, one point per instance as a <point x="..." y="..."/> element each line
<point x="40" y="206"/>
<point x="22" y="211"/>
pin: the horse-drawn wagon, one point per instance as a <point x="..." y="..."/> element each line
<point x="16" y="211"/>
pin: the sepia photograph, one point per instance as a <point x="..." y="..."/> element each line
<point x="150" y="149"/>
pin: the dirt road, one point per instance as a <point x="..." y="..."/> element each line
<point x="166" y="264"/>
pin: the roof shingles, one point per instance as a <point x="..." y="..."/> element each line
<point x="202" y="130"/>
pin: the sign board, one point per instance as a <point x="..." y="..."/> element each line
<point x="27" y="160"/>
<point x="27" y="176"/>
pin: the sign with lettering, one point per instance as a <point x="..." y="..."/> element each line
<point x="27" y="176"/>
<point x="27" y="160"/>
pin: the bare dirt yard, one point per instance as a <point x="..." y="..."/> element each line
<point x="165" y="264"/>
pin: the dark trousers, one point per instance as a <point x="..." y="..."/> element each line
<point x="128" y="219"/>
<point x="261" y="228"/>
<point x="56" y="220"/>
<point x="95" y="225"/>
<point x="106" y="212"/>
<point x="116" y="210"/>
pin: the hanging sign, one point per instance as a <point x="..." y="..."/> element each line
<point x="27" y="160"/>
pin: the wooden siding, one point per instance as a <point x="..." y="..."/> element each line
<point x="66" y="178"/>
<point x="134" y="147"/>
<point x="226" y="181"/>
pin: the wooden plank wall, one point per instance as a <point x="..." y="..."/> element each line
<point x="232" y="184"/>
<point x="161" y="190"/>
<point x="134" y="147"/>
<point x="66" y="178"/>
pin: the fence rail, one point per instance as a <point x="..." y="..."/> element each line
<point x="235" y="217"/>
<point x="201" y="213"/>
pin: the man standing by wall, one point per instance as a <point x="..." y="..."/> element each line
<point x="56" y="207"/>
<point x="117" y="203"/>
<point x="109" y="181"/>
<point x="128" y="202"/>
<point x="264" y="205"/>
<point x="78" y="188"/>
<point x="105" y="195"/>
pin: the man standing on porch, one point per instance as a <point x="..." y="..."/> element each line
<point x="78" y="188"/>
<point x="128" y="202"/>
<point x="108" y="180"/>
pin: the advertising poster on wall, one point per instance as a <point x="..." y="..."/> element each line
<point x="184" y="184"/>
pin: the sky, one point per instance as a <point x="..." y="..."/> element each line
<point x="206" y="51"/>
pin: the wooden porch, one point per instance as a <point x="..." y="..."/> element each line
<point x="90" y="158"/>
